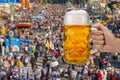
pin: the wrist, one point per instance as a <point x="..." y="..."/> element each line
<point x="117" y="45"/>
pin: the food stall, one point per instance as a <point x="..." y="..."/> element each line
<point x="26" y="26"/>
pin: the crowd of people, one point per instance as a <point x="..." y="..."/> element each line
<point x="46" y="39"/>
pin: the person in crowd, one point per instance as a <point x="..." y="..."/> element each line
<point x="6" y="64"/>
<point x="115" y="77"/>
<point x="99" y="75"/>
<point x="1" y="64"/>
<point x="78" y="76"/>
<point x="26" y="61"/>
<point x="97" y="62"/>
<point x="118" y="74"/>
<point x="104" y="77"/>
<point x="45" y="72"/>
<point x="25" y="72"/>
<point x="36" y="55"/>
<point x="32" y="61"/>
<point x="45" y="59"/>
<point x="109" y="75"/>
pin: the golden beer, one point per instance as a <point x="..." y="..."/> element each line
<point x="76" y="37"/>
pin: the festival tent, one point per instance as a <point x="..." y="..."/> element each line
<point x="5" y="8"/>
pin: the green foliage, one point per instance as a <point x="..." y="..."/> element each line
<point x="79" y="1"/>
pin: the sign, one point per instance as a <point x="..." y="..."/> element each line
<point x="11" y="33"/>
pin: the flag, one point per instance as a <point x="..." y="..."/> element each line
<point x="100" y="1"/>
<point x="36" y="2"/>
<point x="51" y="45"/>
<point x="22" y="2"/>
<point x="19" y="63"/>
<point x="48" y="44"/>
<point x="32" y="1"/>
<point x="3" y="30"/>
<point x="54" y="53"/>
<point x="100" y="21"/>
<point x="27" y="4"/>
<point x="91" y="2"/>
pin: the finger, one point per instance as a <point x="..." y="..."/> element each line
<point x="98" y="47"/>
<point x="96" y="26"/>
<point x="97" y="37"/>
<point x="96" y="42"/>
<point x="97" y="33"/>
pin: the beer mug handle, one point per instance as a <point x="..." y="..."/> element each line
<point x="95" y="50"/>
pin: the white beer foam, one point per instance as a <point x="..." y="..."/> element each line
<point x="76" y="17"/>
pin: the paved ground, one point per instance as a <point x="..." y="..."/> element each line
<point x="39" y="64"/>
<point x="62" y="67"/>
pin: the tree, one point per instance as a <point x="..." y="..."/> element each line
<point x="43" y="1"/>
<point x="63" y="1"/>
<point x="79" y="1"/>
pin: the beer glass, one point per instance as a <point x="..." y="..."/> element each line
<point x="76" y="37"/>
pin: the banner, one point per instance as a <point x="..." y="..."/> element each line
<point x="15" y="44"/>
<point x="7" y="44"/>
<point x="12" y="45"/>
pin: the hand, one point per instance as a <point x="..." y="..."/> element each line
<point x="104" y="40"/>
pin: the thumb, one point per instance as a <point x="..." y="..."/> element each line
<point x="103" y="28"/>
<point x="100" y="27"/>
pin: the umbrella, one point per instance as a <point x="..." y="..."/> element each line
<point x="7" y="11"/>
<point x="38" y="16"/>
<point x="25" y="40"/>
<point x="54" y="64"/>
